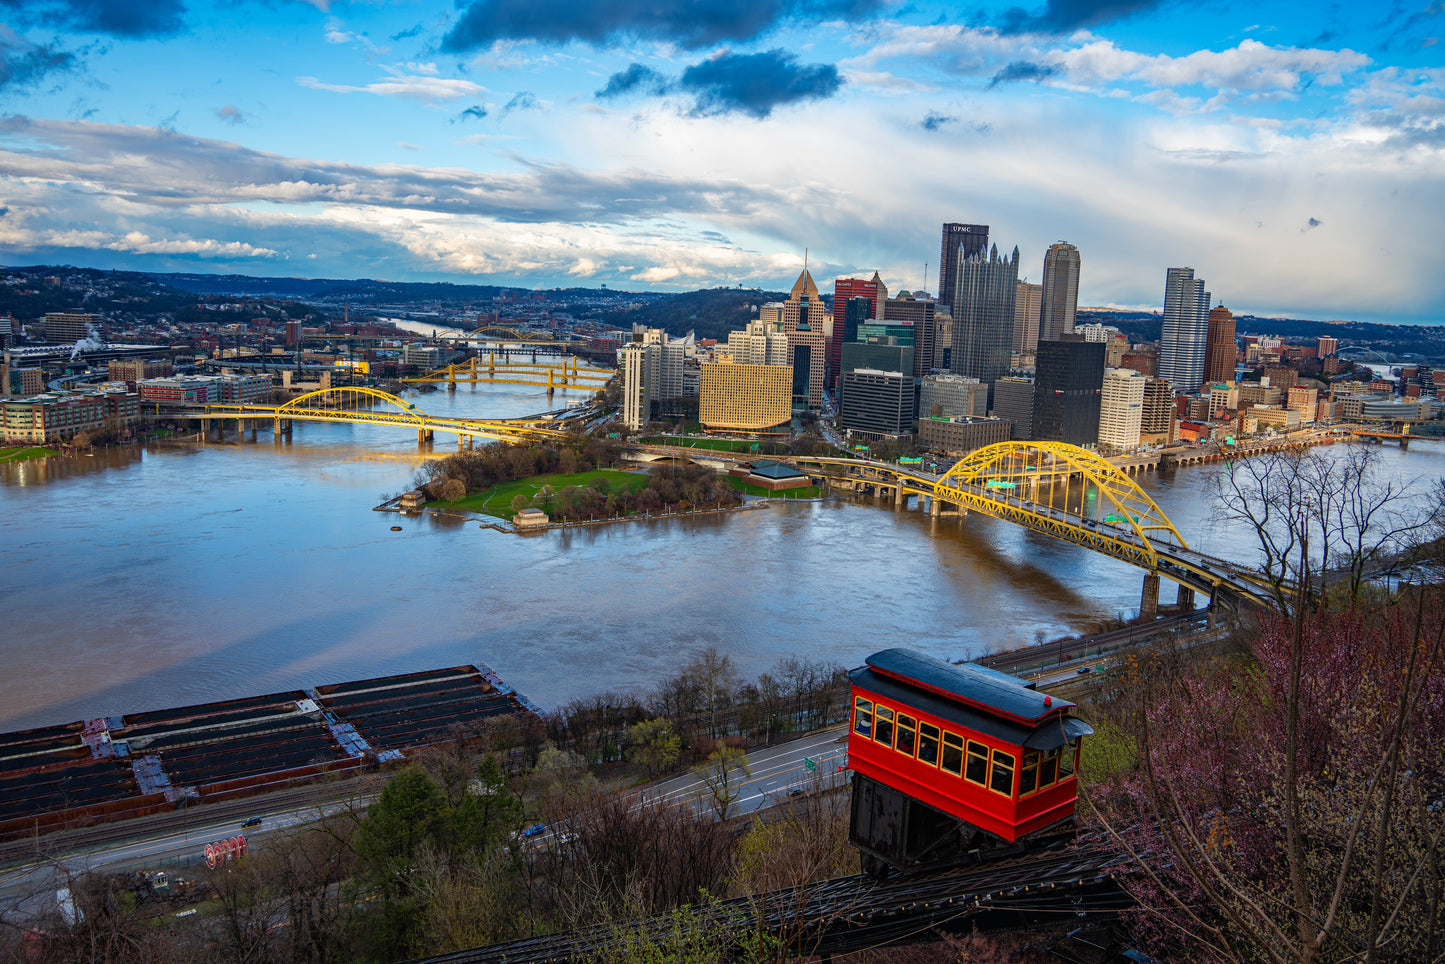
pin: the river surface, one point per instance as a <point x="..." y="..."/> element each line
<point x="144" y="578"/>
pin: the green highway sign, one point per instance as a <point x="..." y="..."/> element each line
<point x="810" y="763"/>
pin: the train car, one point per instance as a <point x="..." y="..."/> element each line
<point x="952" y="761"/>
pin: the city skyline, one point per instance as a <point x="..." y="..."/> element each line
<point x="487" y="142"/>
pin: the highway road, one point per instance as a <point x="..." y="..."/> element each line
<point x="776" y="771"/>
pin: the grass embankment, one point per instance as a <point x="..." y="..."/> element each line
<point x="718" y="444"/>
<point x="497" y="501"/>
<point x="747" y="488"/>
<point x="8" y="455"/>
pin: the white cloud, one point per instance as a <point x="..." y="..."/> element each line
<point x="411" y="87"/>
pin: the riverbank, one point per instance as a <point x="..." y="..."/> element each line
<point x="9" y="456"/>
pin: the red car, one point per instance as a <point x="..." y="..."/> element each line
<point x="952" y="760"/>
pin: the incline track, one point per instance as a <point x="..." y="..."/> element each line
<point x="851" y="913"/>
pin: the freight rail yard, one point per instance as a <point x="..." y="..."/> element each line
<point x="113" y="768"/>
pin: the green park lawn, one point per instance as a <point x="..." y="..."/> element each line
<point x="711" y="444"/>
<point x="24" y="454"/>
<point x="497" y="501"/>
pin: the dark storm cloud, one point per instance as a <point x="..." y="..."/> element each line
<point x="635" y="77"/>
<point x="1022" y="70"/>
<point x="1065" y="16"/>
<point x="688" y="23"/>
<point x="474" y="112"/>
<point x="934" y="120"/>
<point x="118" y="18"/>
<point x="168" y="170"/>
<point x="754" y="84"/>
<point x="23" y="65"/>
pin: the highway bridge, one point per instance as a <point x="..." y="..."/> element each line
<point x="1032" y="484"/>
<point x="370" y="406"/>
<point x="491" y="371"/>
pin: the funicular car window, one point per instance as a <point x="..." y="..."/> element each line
<point x="953" y="753"/>
<point x="1068" y="759"/>
<point x="928" y="744"/>
<point x="907" y="732"/>
<point x="883" y="729"/>
<point x="977" y="771"/>
<point x="1002" y="778"/>
<point x="863" y="717"/>
<point x="1049" y="769"/>
<point x="1029" y="773"/>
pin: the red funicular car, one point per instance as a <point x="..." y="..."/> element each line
<point x="955" y="760"/>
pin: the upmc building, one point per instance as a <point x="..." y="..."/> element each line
<point x="974" y="238"/>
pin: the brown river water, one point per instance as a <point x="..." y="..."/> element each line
<point x="142" y="578"/>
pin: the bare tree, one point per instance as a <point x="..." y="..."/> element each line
<point x="724" y="774"/>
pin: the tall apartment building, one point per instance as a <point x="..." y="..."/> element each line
<point x="1186" y="330"/>
<point x="1326" y="346"/>
<point x="943" y="396"/>
<point x="960" y="242"/>
<point x="1028" y="302"/>
<point x="983" y="316"/>
<point x="652" y="375"/>
<point x="1157" y="414"/>
<point x="7" y="331"/>
<point x="1219" y="349"/>
<point x="1013" y="399"/>
<point x="760" y="343"/>
<point x="845" y="289"/>
<point x="636" y="407"/>
<point x="1121" y="409"/>
<point x="67" y="326"/>
<point x="741" y="397"/>
<point x="1067" y="381"/>
<point x="1060" y="291"/>
<point x="921" y="313"/>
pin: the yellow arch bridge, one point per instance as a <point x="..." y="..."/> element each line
<point x="369" y="406"/>
<point x="553" y="376"/>
<point x="1030" y="484"/>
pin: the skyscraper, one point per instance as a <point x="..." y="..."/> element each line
<point x="1061" y="291"/>
<point x="1186" y="330"/>
<point x="1219" y="350"/>
<point x="1069" y="377"/>
<point x="973" y="239"/>
<point x="1121" y="409"/>
<point x="983" y="315"/>
<point x="1027" y="303"/>
<point x="844" y="290"/>
<point x="921" y="313"/>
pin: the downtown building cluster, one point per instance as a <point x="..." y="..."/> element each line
<point x="995" y="357"/>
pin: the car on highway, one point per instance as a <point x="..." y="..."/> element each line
<point x="253" y="822"/>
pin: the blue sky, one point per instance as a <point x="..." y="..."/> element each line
<point x="1294" y="157"/>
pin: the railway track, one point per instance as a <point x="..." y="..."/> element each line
<point x="848" y="914"/>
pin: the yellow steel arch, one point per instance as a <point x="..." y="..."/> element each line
<point x="350" y="397"/>
<point x="1012" y="473"/>
<point x="503" y="333"/>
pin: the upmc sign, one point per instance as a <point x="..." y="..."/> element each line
<point x="222" y="851"/>
<point x="963" y="229"/>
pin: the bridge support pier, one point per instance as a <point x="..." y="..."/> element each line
<point x="934" y="507"/>
<point x="1149" y="601"/>
<point x="1185" y="599"/>
<point x="898" y="497"/>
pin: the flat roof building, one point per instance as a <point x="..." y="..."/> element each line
<point x="752" y="399"/>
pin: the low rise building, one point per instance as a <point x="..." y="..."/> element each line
<point x="961" y="434"/>
<point x="181" y="389"/>
<point x="948" y="395"/>
<point x="246" y="389"/>
<point x="51" y="418"/>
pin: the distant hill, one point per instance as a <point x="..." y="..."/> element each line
<point x="711" y="313"/>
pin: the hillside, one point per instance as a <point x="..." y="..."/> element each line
<point x="711" y="313"/>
